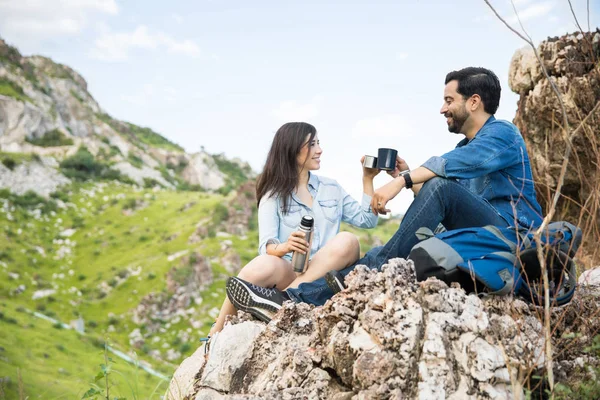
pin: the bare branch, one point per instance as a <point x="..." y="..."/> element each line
<point x="575" y="16"/>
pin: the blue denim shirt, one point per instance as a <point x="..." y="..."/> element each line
<point x="495" y="166"/>
<point x="331" y="206"/>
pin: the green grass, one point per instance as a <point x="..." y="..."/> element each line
<point x="109" y="242"/>
<point x="140" y="135"/>
<point x="12" y="89"/>
<point x="59" y="363"/>
<point x="51" y="139"/>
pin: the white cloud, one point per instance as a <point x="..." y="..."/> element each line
<point x="35" y="20"/>
<point x="150" y="93"/>
<point x="531" y="12"/>
<point x="291" y="110"/>
<point x="115" y="46"/>
<point x="401" y="56"/>
<point x="385" y="126"/>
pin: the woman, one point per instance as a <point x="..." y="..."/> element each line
<point x="286" y="190"/>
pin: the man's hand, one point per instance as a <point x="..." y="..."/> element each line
<point x="385" y="194"/>
<point x="401" y="165"/>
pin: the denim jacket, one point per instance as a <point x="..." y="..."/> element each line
<point x="331" y="206"/>
<point x="495" y="166"/>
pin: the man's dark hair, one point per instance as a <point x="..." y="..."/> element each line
<point x="481" y="81"/>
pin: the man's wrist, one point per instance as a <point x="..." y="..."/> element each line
<point x="400" y="182"/>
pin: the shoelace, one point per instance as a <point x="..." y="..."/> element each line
<point x="264" y="291"/>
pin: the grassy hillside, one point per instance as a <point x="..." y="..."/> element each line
<point x="101" y="248"/>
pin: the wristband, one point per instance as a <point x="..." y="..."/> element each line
<point x="408" y="183"/>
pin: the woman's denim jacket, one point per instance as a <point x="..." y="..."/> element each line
<point x="495" y="166"/>
<point x="331" y="205"/>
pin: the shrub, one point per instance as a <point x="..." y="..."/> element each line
<point x="60" y="195"/>
<point x="149" y="183"/>
<point x="135" y="160"/>
<point x="185" y="348"/>
<point x="82" y="166"/>
<point x="28" y="200"/>
<point x="9" y="162"/>
<point x="220" y="213"/>
<point x="52" y="138"/>
<point x="12" y="89"/>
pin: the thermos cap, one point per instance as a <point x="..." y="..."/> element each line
<point x="307" y="221"/>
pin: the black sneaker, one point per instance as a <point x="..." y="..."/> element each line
<point x="259" y="301"/>
<point x="335" y="281"/>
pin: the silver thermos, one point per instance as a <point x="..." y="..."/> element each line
<point x="299" y="260"/>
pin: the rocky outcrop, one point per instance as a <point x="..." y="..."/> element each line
<point x="40" y="97"/>
<point x="38" y="176"/>
<point x="203" y="171"/>
<point x="572" y="63"/>
<point x="386" y="337"/>
<point x="184" y="284"/>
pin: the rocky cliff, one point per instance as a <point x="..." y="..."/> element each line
<point x="47" y="111"/>
<point x="573" y="63"/>
<point x="390" y="337"/>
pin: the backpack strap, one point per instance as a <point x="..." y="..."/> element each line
<point x="494" y="230"/>
<point x="424" y="233"/>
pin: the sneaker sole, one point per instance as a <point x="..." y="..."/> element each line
<point x="334" y="284"/>
<point x="243" y="299"/>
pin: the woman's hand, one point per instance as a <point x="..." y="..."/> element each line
<point x="296" y="242"/>
<point x="385" y="194"/>
<point x="369" y="173"/>
<point x="401" y="165"/>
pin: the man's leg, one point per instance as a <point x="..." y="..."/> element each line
<point x="442" y="201"/>
<point x="439" y="201"/>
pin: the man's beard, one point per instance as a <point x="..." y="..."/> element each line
<point x="458" y="120"/>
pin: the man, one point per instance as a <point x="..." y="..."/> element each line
<point x="485" y="180"/>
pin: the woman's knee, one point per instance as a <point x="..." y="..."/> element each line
<point x="259" y="267"/>
<point x="347" y="243"/>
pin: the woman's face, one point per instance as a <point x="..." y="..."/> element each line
<point x="309" y="157"/>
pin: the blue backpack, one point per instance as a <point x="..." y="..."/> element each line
<point x="501" y="261"/>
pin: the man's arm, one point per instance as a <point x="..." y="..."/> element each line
<point x="391" y="189"/>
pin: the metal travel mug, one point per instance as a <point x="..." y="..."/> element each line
<point x="370" y="162"/>
<point x="299" y="260"/>
<point x="386" y="159"/>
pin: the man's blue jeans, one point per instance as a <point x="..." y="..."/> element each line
<point x="440" y="200"/>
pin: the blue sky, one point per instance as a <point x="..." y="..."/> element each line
<point x="226" y="74"/>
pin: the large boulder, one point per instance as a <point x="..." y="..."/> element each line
<point x="390" y="337"/>
<point x="571" y="62"/>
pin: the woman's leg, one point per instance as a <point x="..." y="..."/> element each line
<point x="340" y="252"/>
<point x="264" y="270"/>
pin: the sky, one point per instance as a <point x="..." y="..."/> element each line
<point x="225" y="75"/>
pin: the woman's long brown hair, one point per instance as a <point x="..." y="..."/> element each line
<point x="280" y="174"/>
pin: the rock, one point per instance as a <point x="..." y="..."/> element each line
<point x="524" y="71"/>
<point x="32" y="176"/>
<point x="40" y="294"/>
<point x="202" y="170"/>
<point x="388" y="336"/>
<point x="182" y="383"/>
<point x="571" y="65"/>
<point x="225" y="359"/>
<point x="139" y="174"/>
<point x="590" y="277"/>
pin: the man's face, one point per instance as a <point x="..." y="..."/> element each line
<point x="454" y="108"/>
